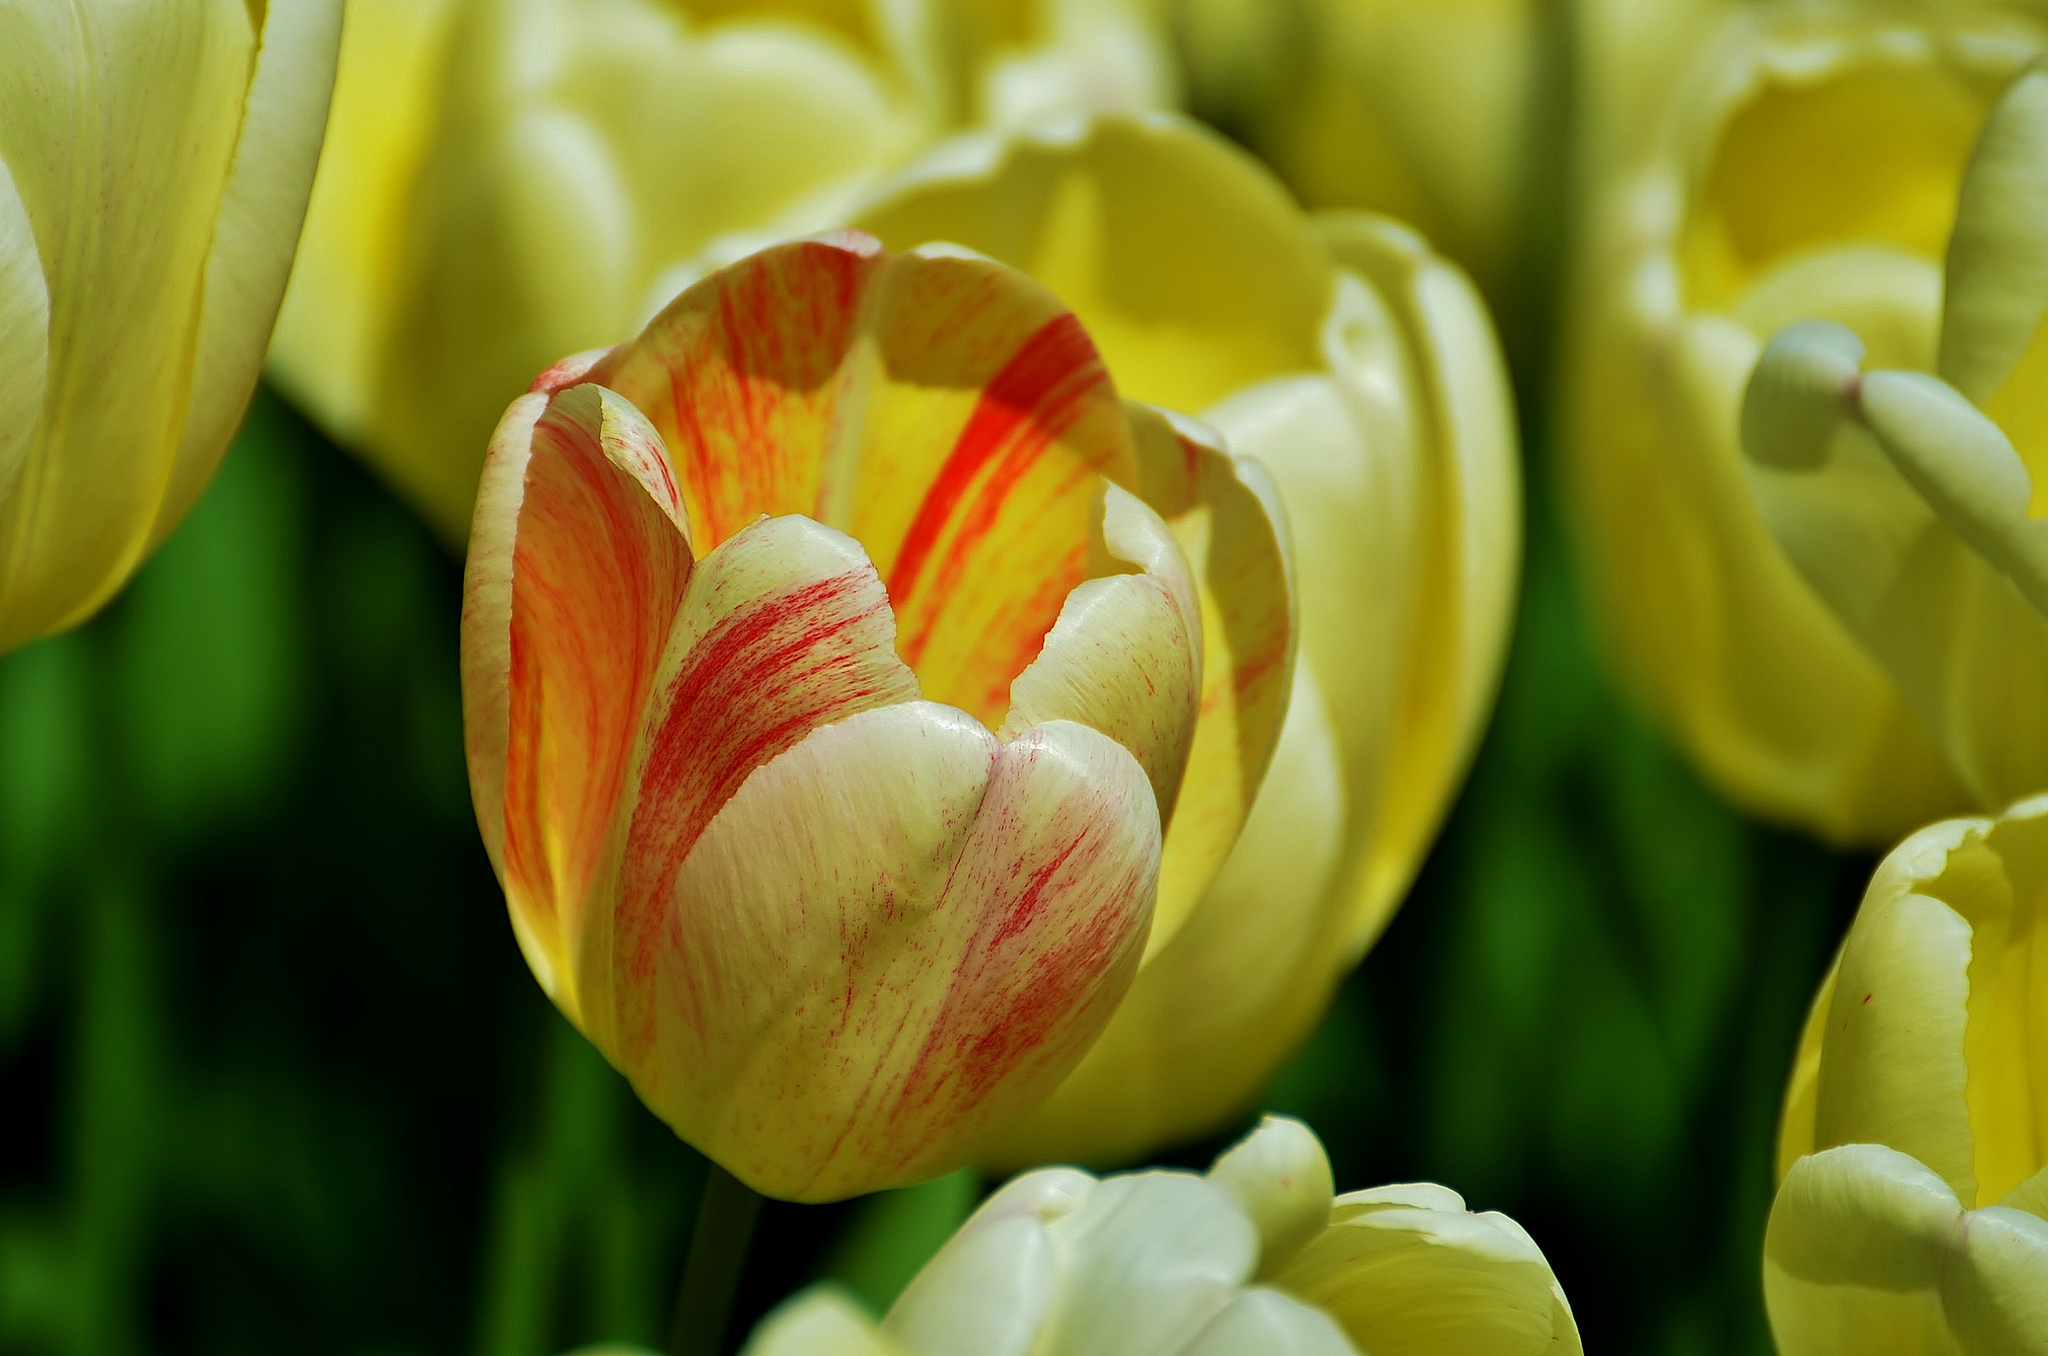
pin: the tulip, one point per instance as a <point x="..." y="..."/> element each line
<point x="1809" y="170"/>
<point x="826" y="693"/>
<point x="1422" y="109"/>
<point x="1913" y="1211"/>
<point x="154" y="166"/>
<point x="507" y="181"/>
<point x="1359" y="369"/>
<point x="1255" y="1257"/>
<point x="1908" y="499"/>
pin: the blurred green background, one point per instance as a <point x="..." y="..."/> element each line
<point x="275" y="1077"/>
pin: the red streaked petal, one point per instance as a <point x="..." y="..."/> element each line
<point x="895" y="936"/>
<point x="576" y="568"/>
<point x="785" y="628"/>
<point x="944" y="410"/>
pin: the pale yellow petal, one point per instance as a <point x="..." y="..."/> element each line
<point x="1261" y="1322"/>
<point x="989" y="1290"/>
<point x="1183" y="257"/>
<point x="24" y="334"/>
<point x="1281" y="1176"/>
<point x="118" y="125"/>
<point x="1892" y="1069"/>
<point x="820" y="1321"/>
<point x="1148" y="1260"/>
<point x="1996" y="1288"/>
<point x="1997" y="291"/>
<point x="1857" y="1241"/>
<point x="1407" y="1280"/>
<point x="255" y="235"/>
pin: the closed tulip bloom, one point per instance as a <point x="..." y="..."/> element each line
<point x="1913" y="1212"/>
<point x="828" y="683"/>
<point x="1359" y="369"/>
<point x="507" y="181"/>
<point x="1809" y="171"/>
<point x="1251" y="1259"/>
<point x="154" y="166"/>
<point x="1911" y="501"/>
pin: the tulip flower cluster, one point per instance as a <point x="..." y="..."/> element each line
<point x="1253" y="1258"/>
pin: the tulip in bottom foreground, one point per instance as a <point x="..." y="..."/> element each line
<point x="1253" y="1259"/>
<point x="1913" y="1215"/>
<point x="825" y="692"/>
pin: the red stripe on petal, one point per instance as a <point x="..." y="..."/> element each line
<point x="1033" y="400"/>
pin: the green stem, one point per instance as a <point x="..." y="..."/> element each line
<point x="718" y="1253"/>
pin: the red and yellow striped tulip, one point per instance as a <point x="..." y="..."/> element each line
<point x="830" y="670"/>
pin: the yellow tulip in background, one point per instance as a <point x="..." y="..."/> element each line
<point x="1423" y="109"/>
<point x="154" y="165"/>
<point x="1911" y="501"/>
<point x="1251" y="1259"/>
<point x="1362" y="372"/>
<point x="1913" y="1212"/>
<point x="838" y="830"/>
<point x="507" y="181"/>
<point x="1807" y="169"/>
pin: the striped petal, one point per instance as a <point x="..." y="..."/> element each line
<point x="891" y="939"/>
<point x="1226" y="515"/>
<point x="947" y="412"/>
<point x="577" y="566"/>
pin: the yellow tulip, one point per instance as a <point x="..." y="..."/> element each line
<point x="1361" y="371"/>
<point x="838" y="830"/>
<point x="1912" y="502"/>
<point x="1422" y="109"/>
<point x="1253" y="1258"/>
<point x="1808" y="170"/>
<point x="507" y="181"/>
<point x="154" y="165"/>
<point x="1913" y="1212"/>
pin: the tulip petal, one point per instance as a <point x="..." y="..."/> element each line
<point x="24" y="335"/>
<point x="1892" y="1061"/>
<point x="820" y="1321"/>
<point x="1149" y="1259"/>
<point x="1270" y="1324"/>
<point x="946" y="412"/>
<point x="1997" y="293"/>
<point x="1857" y="1240"/>
<point x="118" y="124"/>
<point x="988" y="1291"/>
<point x="1996" y="1289"/>
<point x="577" y="566"/>
<point x="1125" y="656"/>
<point x="1414" y="1280"/>
<point x="896" y="935"/>
<point x="1226" y="514"/>
<point x="1183" y="257"/>
<point x="255" y="235"/>
<point x="1281" y="1176"/>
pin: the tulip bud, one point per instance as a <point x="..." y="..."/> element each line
<point x="1913" y="1210"/>
<point x="1360" y="371"/>
<point x="507" y="181"/>
<point x="1808" y="170"/>
<point x="1057" y="1263"/>
<point x="837" y="829"/>
<point x="154" y="166"/>
<point x="1909" y="508"/>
